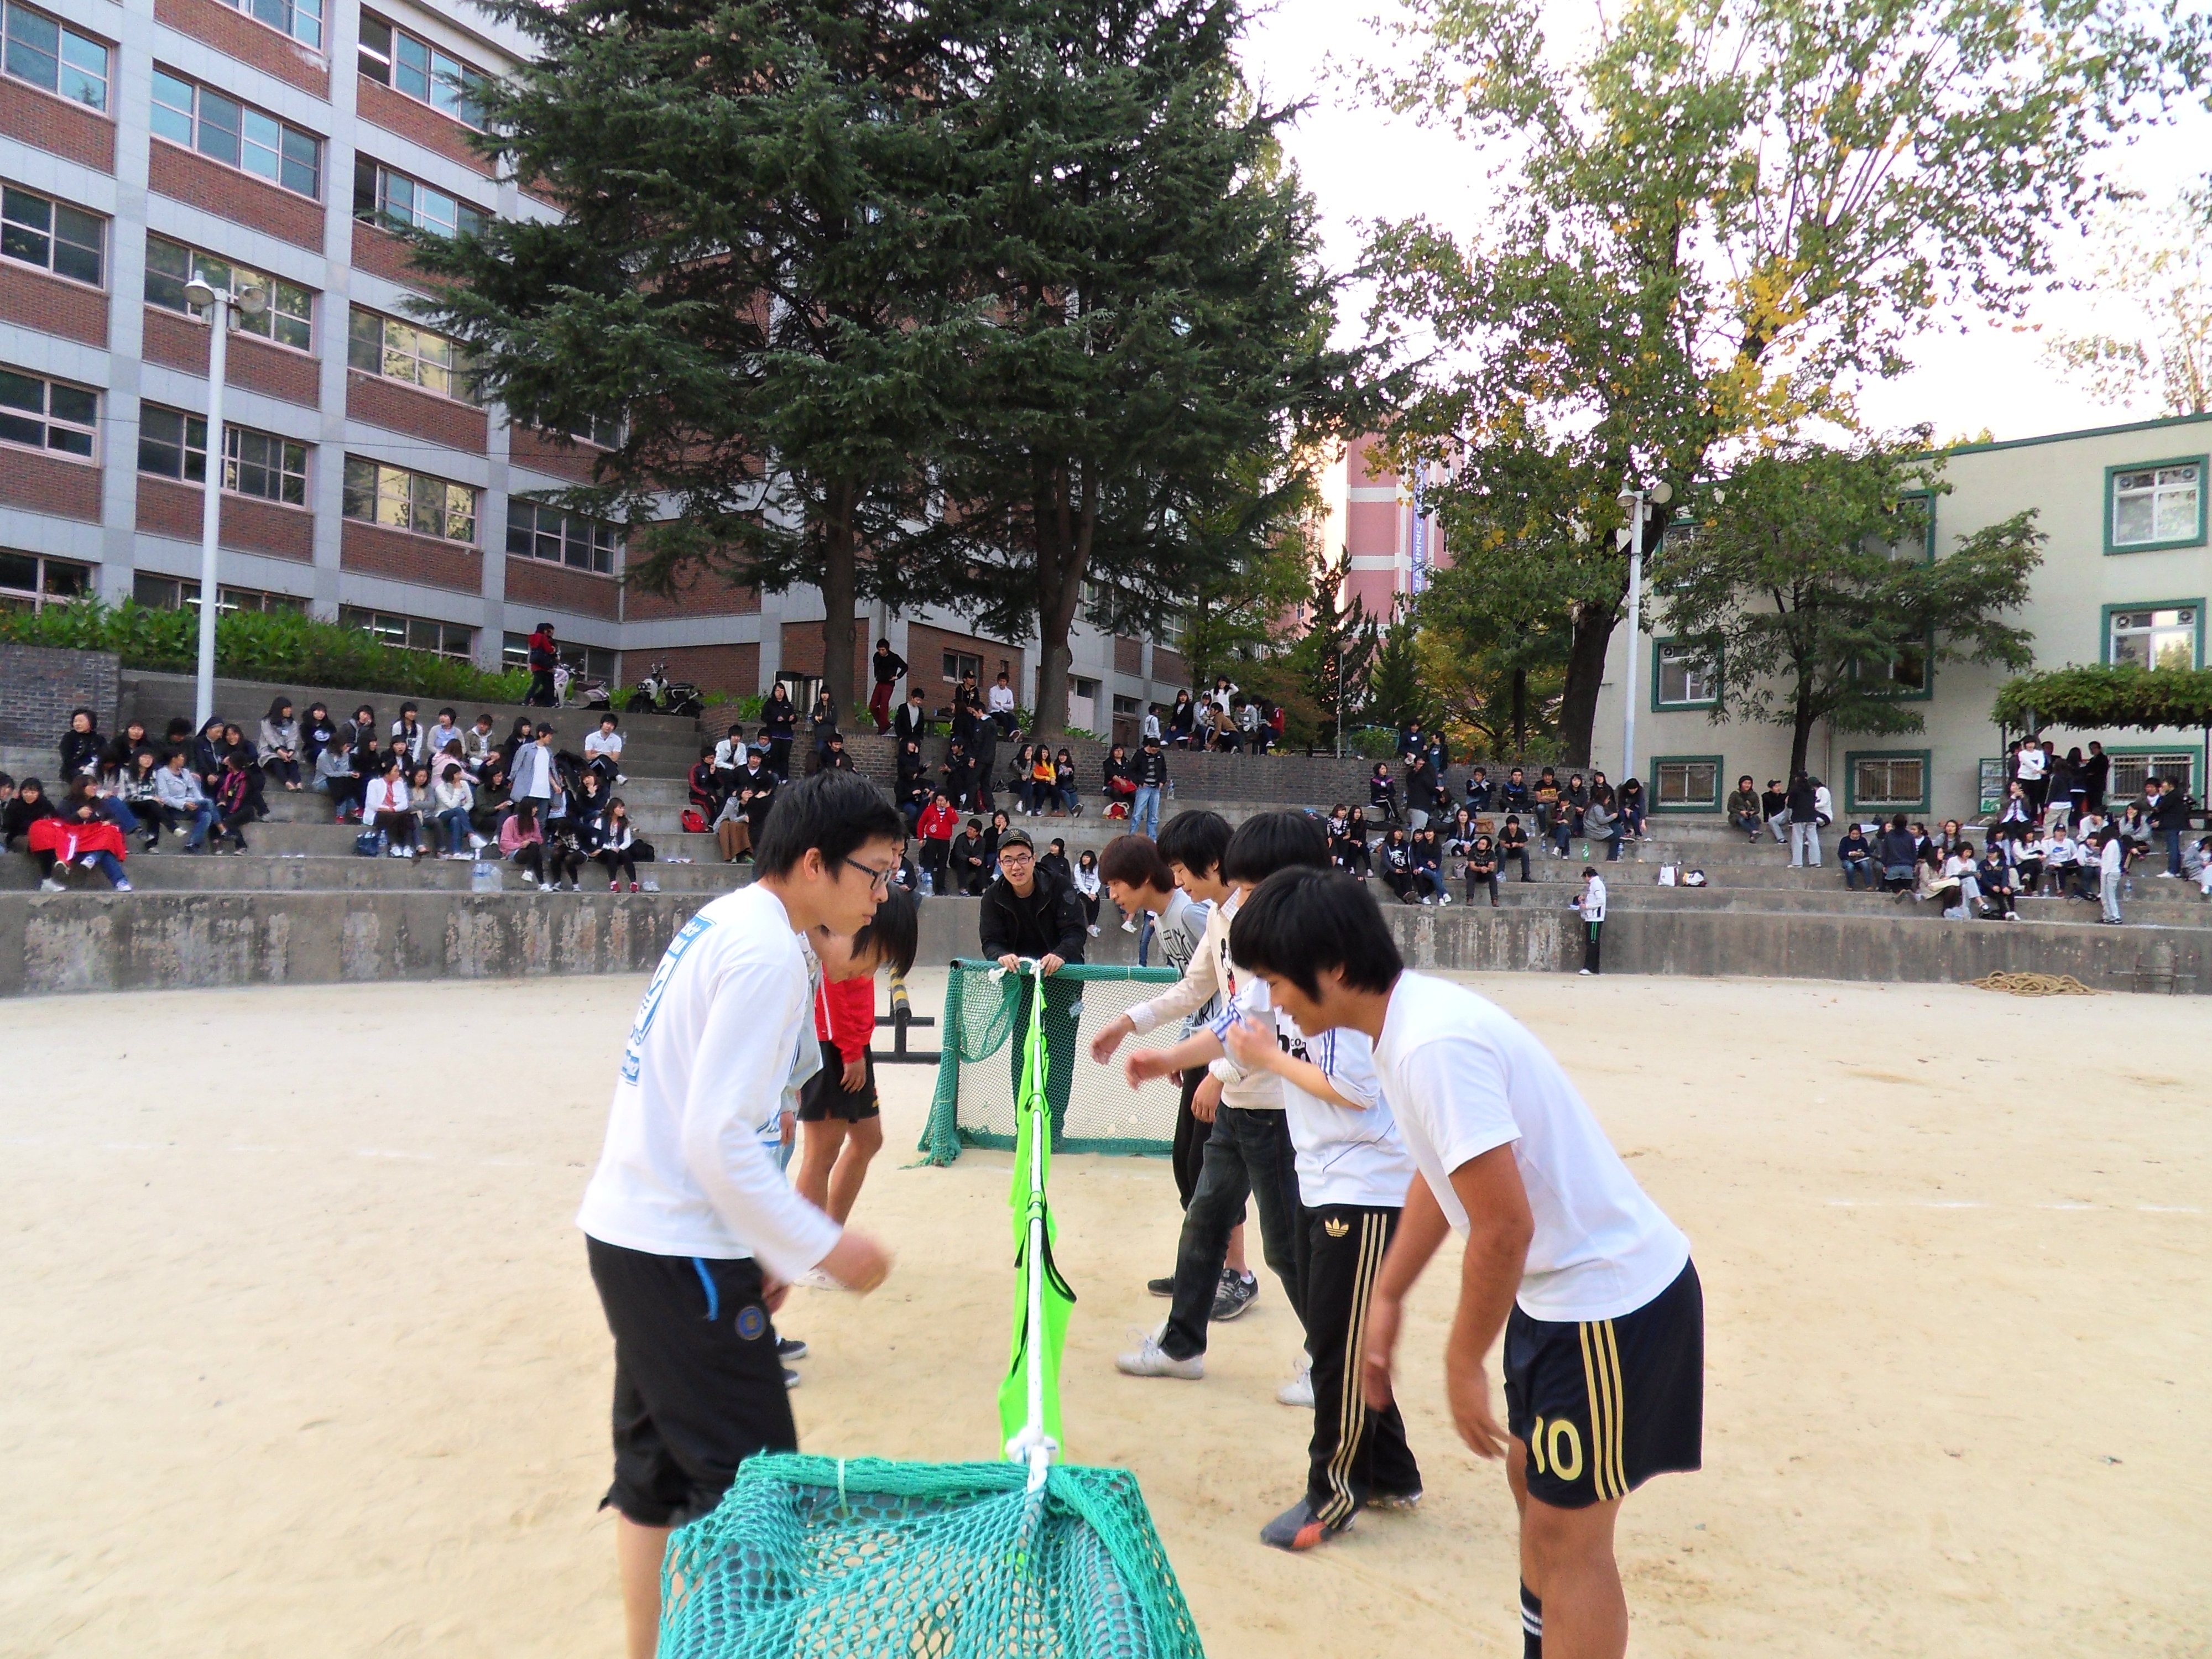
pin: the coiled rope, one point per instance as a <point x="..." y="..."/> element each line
<point x="2035" y="984"/>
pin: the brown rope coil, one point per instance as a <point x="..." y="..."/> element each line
<point x="2035" y="984"/>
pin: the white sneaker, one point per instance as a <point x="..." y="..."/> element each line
<point x="2167" y="875"/>
<point x="815" y="1279"/>
<point x="1149" y="1361"/>
<point x="1128" y="924"/>
<point x="1584" y="972"/>
<point x="1094" y="930"/>
<point x="477" y="843"/>
<point x="1299" y="1391"/>
<point x="49" y="885"/>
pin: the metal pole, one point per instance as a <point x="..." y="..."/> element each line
<point x="1635" y="629"/>
<point x="211" y="507"/>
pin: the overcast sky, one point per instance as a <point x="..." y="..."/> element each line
<point x="1362" y="164"/>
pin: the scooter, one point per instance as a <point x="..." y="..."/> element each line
<point x="656" y="694"/>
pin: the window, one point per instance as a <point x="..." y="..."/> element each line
<point x="262" y="464"/>
<point x="237" y="135"/>
<point x="400" y="351"/>
<point x="389" y="199"/>
<point x="289" y="319"/>
<point x="171" y="444"/>
<point x="534" y="530"/>
<point x="1687" y="783"/>
<point x="1895" y="781"/>
<point x="47" y="414"/>
<point x="28" y="583"/>
<point x="602" y="431"/>
<point x="593" y="661"/>
<point x="2160" y="636"/>
<point x="1906" y="675"/>
<point x="409" y="500"/>
<point x="2132" y="770"/>
<point x="52" y="235"/>
<point x="174" y="593"/>
<point x="412" y="633"/>
<point x="395" y="58"/>
<point x="1913" y="543"/>
<point x="1679" y="681"/>
<point x="2158" y="505"/>
<point x="1125" y="704"/>
<point x="47" y="53"/>
<point x="300" y="19"/>
<point x="958" y="665"/>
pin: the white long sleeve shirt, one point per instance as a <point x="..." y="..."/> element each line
<point x="383" y="797"/>
<point x="1213" y="974"/>
<point x="688" y="1167"/>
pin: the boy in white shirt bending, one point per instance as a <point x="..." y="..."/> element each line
<point x="1588" y="1281"/>
<point x="692" y="1232"/>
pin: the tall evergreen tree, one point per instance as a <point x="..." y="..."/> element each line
<point x="758" y="266"/>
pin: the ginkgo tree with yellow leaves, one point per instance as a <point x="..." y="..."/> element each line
<point x="1712" y="221"/>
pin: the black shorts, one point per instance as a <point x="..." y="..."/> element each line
<point x="698" y="1388"/>
<point x="825" y="1094"/>
<point x="1604" y="1404"/>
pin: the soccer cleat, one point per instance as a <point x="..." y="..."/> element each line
<point x="1160" y="1286"/>
<point x="1298" y="1527"/>
<point x="1234" y="1295"/>
<point x="790" y="1347"/>
<point x="1394" y="1500"/>
<point x="1150" y="1360"/>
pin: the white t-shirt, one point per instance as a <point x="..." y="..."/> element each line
<point x="609" y="743"/>
<point x="1000" y="700"/>
<point x="1346" y="1154"/>
<point x="689" y="1167"/>
<point x="1465" y="1076"/>
<point x="2031" y="764"/>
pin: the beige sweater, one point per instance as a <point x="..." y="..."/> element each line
<point x="1212" y="973"/>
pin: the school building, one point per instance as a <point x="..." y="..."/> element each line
<point x="2125" y="577"/>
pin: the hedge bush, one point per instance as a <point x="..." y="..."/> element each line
<point x="2084" y="699"/>
<point x="281" y="647"/>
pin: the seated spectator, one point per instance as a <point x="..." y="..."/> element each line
<point x="335" y="773"/>
<point x="2197" y="865"/>
<point x="522" y="843"/>
<point x="27" y="804"/>
<point x="235" y="741"/>
<point x="1547" y="797"/>
<point x="386" y="808"/>
<point x="2027" y="863"/>
<point x="1479" y="790"/>
<point x="183" y="804"/>
<point x="1054" y="860"/>
<point x="76" y="836"/>
<point x="2134" y="830"/>
<point x="233" y="801"/>
<point x="478" y="746"/>
<point x="1394" y="861"/>
<point x="935" y="829"/>
<point x="1513" y="842"/>
<point x="1086" y="878"/>
<point x="1482" y="868"/>
<point x="139" y="791"/>
<point x="1856" y="854"/>
<point x="833" y="758"/>
<point x="407" y="733"/>
<point x="1744" y="808"/>
<point x="1513" y="794"/>
<point x="80" y="747"/>
<point x="702" y="787"/>
<point x="279" y="744"/>
<point x="116" y="758"/>
<point x="603" y="751"/>
<point x="1348" y="846"/>
<point x="1382" y="794"/>
<point x="1899" y="854"/>
<point x="969" y="860"/>
<point x="586" y="813"/>
<point x="207" y="755"/>
<point x="1117" y="785"/>
<point x="1774" y="807"/>
<point x="452" y="800"/>
<point x="1960" y="865"/>
<point x="1934" y="883"/>
<point x="618" y="851"/>
<point x="316" y="728"/>
<point x="734" y="836"/>
<point x="443" y="730"/>
<point x="2016" y="822"/>
<point x="914" y="793"/>
<point x="1070" y="793"/>
<point x="1628" y="805"/>
<point x="1427" y="864"/>
<point x="1993" y="875"/>
<point x="1574" y="801"/>
<point x="1600" y="825"/>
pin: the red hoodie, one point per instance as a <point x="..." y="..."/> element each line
<point x="939" y="822"/>
<point x="845" y="1014"/>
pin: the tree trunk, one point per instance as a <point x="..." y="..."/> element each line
<point x="1800" y="737"/>
<point x="1520" y="714"/>
<point x="1063" y="530"/>
<point x="1585" y="674"/>
<point x="839" y="592"/>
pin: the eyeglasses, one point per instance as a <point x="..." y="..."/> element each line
<point x="880" y="880"/>
<point x="1016" y="858"/>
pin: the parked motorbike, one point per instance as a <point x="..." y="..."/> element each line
<point x="656" y="694"/>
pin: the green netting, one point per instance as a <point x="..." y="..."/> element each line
<point x="1093" y="1108"/>
<point x="817" y="1558"/>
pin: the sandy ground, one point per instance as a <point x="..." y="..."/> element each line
<point x="302" y="1358"/>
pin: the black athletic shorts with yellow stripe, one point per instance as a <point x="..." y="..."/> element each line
<point x="1605" y="1404"/>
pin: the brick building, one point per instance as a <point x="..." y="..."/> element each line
<point x="265" y="145"/>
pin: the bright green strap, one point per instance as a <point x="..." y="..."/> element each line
<point x="1024" y="1200"/>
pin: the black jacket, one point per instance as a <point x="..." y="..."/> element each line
<point x="890" y="666"/>
<point x="80" y="752"/>
<point x="910" y="724"/>
<point x="1148" y="768"/>
<point x="1049" y="922"/>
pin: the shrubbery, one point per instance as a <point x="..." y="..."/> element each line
<point x="281" y="647"/>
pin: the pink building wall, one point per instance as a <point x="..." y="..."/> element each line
<point x="1372" y="528"/>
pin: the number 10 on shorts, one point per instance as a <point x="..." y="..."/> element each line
<point x="1556" y="1449"/>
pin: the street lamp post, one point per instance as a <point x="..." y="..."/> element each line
<point x="1632" y="502"/>
<point x="201" y="295"/>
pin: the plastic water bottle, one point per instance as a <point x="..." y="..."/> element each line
<point x="485" y="876"/>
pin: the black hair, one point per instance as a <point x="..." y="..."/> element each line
<point x="894" y="933"/>
<point x="1299" y="923"/>
<point x="837" y="812"/>
<point x="1135" y="861"/>
<point x="1196" y="840"/>
<point x="1268" y="842"/>
<point x="6" y="783"/>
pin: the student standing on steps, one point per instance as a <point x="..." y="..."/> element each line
<point x="692" y="1232"/>
<point x="1590" y="902"/>
<point x="1588" y="1282"/>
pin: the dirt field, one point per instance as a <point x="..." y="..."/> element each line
<point x="303" y="1358"/>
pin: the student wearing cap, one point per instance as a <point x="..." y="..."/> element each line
<point x="1030" y="911"/>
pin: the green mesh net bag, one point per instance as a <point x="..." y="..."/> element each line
<point x="821" y="1558"/>
<point x="1092" y="1108"/>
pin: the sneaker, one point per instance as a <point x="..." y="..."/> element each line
<point x="1149" y="1361"/>
<point x="1298" y="1527"/>
<point x="1299" y="1391"/>
<point x="614" y="887"/>
<point x="49" y="885"/>
<point x="1094" y="930"/>
<point x="632" y="887"/>
<point x="1584" y="972"/>
<point x="790" y="1378"/>
<point x="1160" y="1286"/>
<point x="1234" y="1295"/>
<point x="1128" y="924"/>
<point x="477" y="843"/>
<point x="2167" y="875"/>
<point x="790" y="1347"/>
<point x="1394" y="1500"/>
<point x="124" y="886"/>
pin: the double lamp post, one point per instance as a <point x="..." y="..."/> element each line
<point x="219" y="309"/>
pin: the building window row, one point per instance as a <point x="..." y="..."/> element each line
<point x="411" y="65"/>
<point x="593" y="661"/>
<point x="2161" y="505"/>
<point x="174" y="445"/>
<point x="237" y="135"/>
<point x="536" y="531"/>
<point x="289" y="319"/>
<point x="412" y="633"/>
<point x="52" y="235"/>
<point x="400" y="351"/>
<point x="390" y="199"/>
<point x="415" y="501"/>
<point x="300" y="19"/>
<point x="43" y="414"/>
<point x="29" y="582"/>
<point x="48" y="54"/>
<point x="158" y="593"/>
